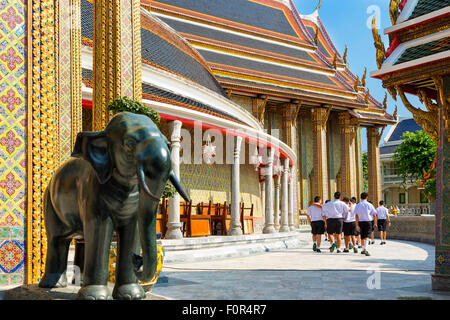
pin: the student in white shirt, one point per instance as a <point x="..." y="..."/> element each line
<point x="349" y="227"/>
<point x="317" y="222"/>
<point x="357" y="234"/>
<point x="365" y="213"/>
<point x="335" y="211"/>
<point x="383" y="217"/>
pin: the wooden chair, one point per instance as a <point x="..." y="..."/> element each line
<point x="247" y="219"/>
<point x="199" y="224"/>
<point x="162" y="217"/>
<point x="220" y="220"/>
<point x="185" y="213"/>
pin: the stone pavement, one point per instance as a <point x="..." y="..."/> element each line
<point x="397" y="270"/>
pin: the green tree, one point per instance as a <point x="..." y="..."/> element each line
<point x="414" y="156"/>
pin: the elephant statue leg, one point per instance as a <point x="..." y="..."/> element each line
<point x="97" y="233"/>
<point x="57" y="250"/>
<point x="127" y="287"/>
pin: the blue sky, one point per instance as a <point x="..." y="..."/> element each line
<point x="345" y="21"/>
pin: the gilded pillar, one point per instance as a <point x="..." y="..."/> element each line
<point x="441" y="276"/>
<point x="349" y="166"/>
<point x="43" y="124"/>
<point x="320" y="166"/>
<point x="117" y="55"/>
<point x="373" y="164"/>
<point x="284" y="227"/>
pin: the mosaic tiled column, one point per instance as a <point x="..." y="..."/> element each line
<point x="348" y="152"/>
<point x="320" y="167"/>
<point x="235" y="223"/>
<point x="173" y="220"/>
<point x="268" y="172"/>
<point x="117" y="55"/>
<point x="13" y="140"/>
<point x="441" y="276"/>
<point x="68" y="75"/>
<point x="373" y="164"/>
<point x="277" y="202"/>
<point x="285" y="197"/>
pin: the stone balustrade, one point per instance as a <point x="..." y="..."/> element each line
<point x="412" y="209"/>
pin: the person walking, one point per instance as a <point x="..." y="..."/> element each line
<point x="383" y="217"/>
<point x="317" y="222"/>
<point x="349" y="227"/>
<point x="335" y="211"/>
<point x="365" y="213"/>
<point x="357" y="234"/>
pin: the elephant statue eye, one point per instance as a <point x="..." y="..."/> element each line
<point x="130" y="145"/>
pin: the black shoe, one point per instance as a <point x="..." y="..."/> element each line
<point x="373" y="242"/>
<point x="338" y="251"/>
<point x="314" y="247"/>
<point x="359" y="246"/>
<point x="318" y="250"/>
<point x="350" y="246"/>
<point x="346" y="250"/>
<point x="333" y="246"/>
<point x="366" y="253"/>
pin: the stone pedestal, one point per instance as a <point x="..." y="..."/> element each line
<point x="33" y="292"/>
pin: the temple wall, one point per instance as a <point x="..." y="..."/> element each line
<point x="245" y="102"/>
<point x="13" y="115"/>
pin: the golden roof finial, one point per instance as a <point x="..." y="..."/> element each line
<point x="356" y="84"/>
<point x="319" y="5"/>
<point x="335" y="61"/>
<point x="345" y="55"/>
<point x="366" y="99"/>
<point x="363" y="80"/>
<point x="395" y="113"/>
<point x="385" y="101"/>
<point x="394" y="10"/>
<point x="316" y="37"/>
<point x="378" y="43"/>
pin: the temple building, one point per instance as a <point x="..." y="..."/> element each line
<point x="407" y="195"/>
<point x="259" y="106"/>
<point x="417" y="62"/>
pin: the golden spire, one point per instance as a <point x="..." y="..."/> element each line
<point x="316" y="37"/>
<point x="378" y="43"/>
<point x="363" y="81"/>
<point x="356" y="84"/>
<point x="385" y="101"/>
<point x="319" y="5"/>
<point x="345" y="55"/>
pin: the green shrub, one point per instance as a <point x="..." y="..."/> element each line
<point x="127" y="104"/>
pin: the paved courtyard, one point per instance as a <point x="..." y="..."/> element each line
<point x="398" y="270"/>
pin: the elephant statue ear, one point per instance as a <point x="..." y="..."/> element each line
<point x="93" y="147"/>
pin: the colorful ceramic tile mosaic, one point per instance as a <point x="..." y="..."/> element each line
<point x="12" y="140"/>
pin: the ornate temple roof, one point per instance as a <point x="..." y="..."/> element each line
<point x="419" y="39"/>
<point x="266" y="47"/>
<point x="158" y="40"/>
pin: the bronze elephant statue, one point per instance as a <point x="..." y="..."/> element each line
<point x="113" y="181"/>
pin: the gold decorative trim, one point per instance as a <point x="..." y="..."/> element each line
<point x="75" y="65"/>
<point x="137" y="59"/>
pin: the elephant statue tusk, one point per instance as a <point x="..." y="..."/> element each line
<point x="141" y="178"/>
<point x="176" y="183"/>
